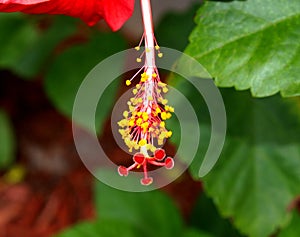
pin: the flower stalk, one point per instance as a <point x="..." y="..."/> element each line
<point x="143" y="127"/>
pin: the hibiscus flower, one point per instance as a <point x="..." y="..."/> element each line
<point x="114" y="12"/>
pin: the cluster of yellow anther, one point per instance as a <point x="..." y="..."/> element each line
<point x="144" y="126"/>
<point x="147" y="50"/>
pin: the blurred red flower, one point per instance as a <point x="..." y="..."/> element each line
<point x="114" y="12"/>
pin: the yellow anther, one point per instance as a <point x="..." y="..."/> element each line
<point x="150" y="98"/>
<point x="160" y="55"/>
<point x="169" y="133"/>
<point x="123" y="122"/>
<point x="164" y="101"/>
<point x="131" y="123"/>
<point x="122" y="132"/>
<point x="145" y="126"/>
<point x="138" y="86"/>
<point x="157" y="110"/>
<point x="145" y="116"/>
<point x="165" y="89"/>
<point x="162" y="124"/>
<point x="134" y="91"/>
<point x="161" y="84"/>
<point x="139" y="121"/>
<point x="142" y="142"/>
<point x="169" y="108"/>
<point x="128" y="82"/>
<point x="157" y="47"/>
<point x="134" y="101"/>
<point x="138" y="60"/>
<point x="148" y="146"/>
<point x="169" y="115"/>
<point x="137" y="48"/>
<point x="125" y="114"/>
<point x="144" y="77"/>
<point x="162" y="136"/>
<point x="160" y="142"/>
<point x="163" y="115"/>
<point x="139" y="113"/>
<point x="131" y="108"/>
<point x="154" y="75"/>
<point x="139" y="100"/>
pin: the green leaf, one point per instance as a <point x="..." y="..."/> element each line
<point x="294" y="228"/>
<point x="258" y="173"/>
<point x="7" y="141"/>
<point x="17" y="34"/>
<point x="206" y="217"/>
<point x="37" y="55"/>
<point x="24" y="48"/>
<point x="100" y="228"/>
<point x="195" y="233"/>
<point x="153" y="213"/>
<point x="176" y="38"/>
<point x="250" y="45"/>
<point x="70" y="68"/>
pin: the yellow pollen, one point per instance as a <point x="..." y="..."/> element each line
<point x="131" y="123"/>
<point x="169" y="133"/>
<point x="142" y="142"/>
<point x="161" y="84"/>
<point x="154" y="75"/>
<point x="125" y="114"/>
<point x="165" y="89"/>
<point x="157" y="47"/>
<point x="128" y="82"/>
<point x="145" y="126"/>
<point x="160" y="55"/>
<point x="164" y="101"/>
<point x="163" y="115"/>
<point x="150" y="98"/>
<point x="137" y="48"/>
<point x="131" y="108"/>
<point x="140" y="100"/>
<point x="145" y="116"/>
<point x="139" y="122"/>
<point x="162" y="124"/>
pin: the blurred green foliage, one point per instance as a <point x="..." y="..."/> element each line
<point x="140" y="214"/>
<point x="7" y="141"/>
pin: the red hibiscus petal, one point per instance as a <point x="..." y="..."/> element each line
<point x="115" y="12"/>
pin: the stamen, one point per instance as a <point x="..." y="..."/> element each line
<point x="144" y="124"/>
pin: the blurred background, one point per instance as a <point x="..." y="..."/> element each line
<point x="45" y="190"/>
